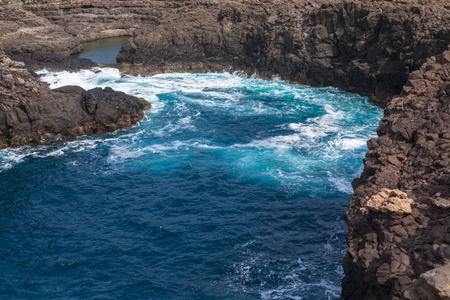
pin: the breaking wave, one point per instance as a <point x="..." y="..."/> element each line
<point x="230" y="188"/>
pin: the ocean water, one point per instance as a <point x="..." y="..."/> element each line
<point x="230" y="188"/>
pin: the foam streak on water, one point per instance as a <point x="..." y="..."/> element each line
<point x="230" y="188"/>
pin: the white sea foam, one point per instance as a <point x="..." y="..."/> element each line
<point x="316" y="138"/>
<point x="293" y="155"/>
<point x="87" y="79"/>
<point x="225" y="92"/>
<point x="351" y="143"/>
<point x="342" y="184"/>
<point x="123" y="152"/>
<point x="10" y="157"/>
<point x="294" y="278"/>
<point x="281" y="142"/>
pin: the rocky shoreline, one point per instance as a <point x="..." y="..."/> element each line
<point x="399" y="215"/>
<point x="392" y="51"/>
<point x="33" y="114"/>
<point x="364" y="47"/>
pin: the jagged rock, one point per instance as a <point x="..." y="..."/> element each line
<point x="434" y="284"/>
<point x="366" y="47"/>
<point x="360" y="46"/>
<point x="31" y="113"/>
<point x="389" y="201"/>
<point x="398" y="216"/>
<point x="403" y="194"/>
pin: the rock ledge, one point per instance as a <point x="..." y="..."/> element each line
<point x="31" y="113"/>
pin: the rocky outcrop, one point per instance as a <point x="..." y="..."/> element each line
<point x="31" y="113"/>
<point x="399" y="215"/>
<point x="23" y="32"/>
<point x="366" y="47"/>
<point x="433" y="284"/>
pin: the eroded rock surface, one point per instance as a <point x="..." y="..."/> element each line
<point x="58" y="27"/>
<point x="365" y="46"/>
<point x="434" y="284"/>
<point x="368" y="47"/>
<point x="399" y="216"/>
<point x="31" y="113"/>
<point x="23" y="32"/>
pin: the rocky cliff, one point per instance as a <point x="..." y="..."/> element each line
<point x="399" y="214"/>
<point x="31" y="113"/>
<point x="58" y="27"/>
<point x="368" y="47"/>
<point x="365" y="47"/>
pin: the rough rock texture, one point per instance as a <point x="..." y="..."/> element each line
<point x="368" y="47"/>
<point x="23" y="32"/>
<point x="399" y="215"/>
<point x="398" y="218"/>
<point x="58" y="27"/>
<point x="364" y="46"/>
<point x="434" y="284"/>
<point x="31" y="113"/>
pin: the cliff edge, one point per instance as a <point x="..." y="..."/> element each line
<point x="368" y="47"/>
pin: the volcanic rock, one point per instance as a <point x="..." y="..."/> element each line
<point x="399" y="216"/>
<point x="365" y="47"/>
<point x="433" y="284"/>
<point x="31" y="113"/>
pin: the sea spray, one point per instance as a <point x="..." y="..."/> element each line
<point x="230" y="188"/>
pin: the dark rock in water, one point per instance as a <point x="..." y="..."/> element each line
<point x="368" y="47"/>
<point x="32" y="113"/>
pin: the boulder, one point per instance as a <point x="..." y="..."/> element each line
<point x="31" y="113"/>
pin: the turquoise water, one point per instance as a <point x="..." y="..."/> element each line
<point x="102" y="51"/>
<point x="230" y="188"/>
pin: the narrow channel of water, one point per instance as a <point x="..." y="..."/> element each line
<point x="103" y="51"/>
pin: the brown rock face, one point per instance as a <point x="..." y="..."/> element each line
<point x="399" y="216"/>
<point x="433" y="284"/>
<point x="31" y="113"/>
<point x="58" y="27"/>
<point x="367" y="47"/>
<point x="389" y="201"/>
<point x="23" y="32"/>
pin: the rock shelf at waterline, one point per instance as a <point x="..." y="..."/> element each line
<point x="33" y="114"/>
<point x="230" y="188"/>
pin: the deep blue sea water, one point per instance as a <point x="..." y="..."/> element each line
<point x="230" y="188"/>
